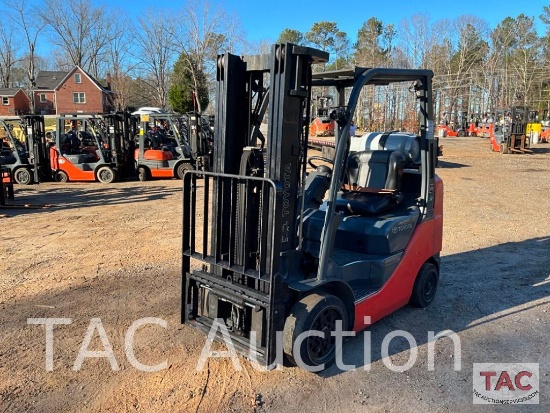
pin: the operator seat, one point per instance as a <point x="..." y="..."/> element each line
<point x="373" y="182"/>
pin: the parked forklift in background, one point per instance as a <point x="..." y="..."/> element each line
<point x="322" y="124"/>
<point x="81" y="152"/>
<point x="272" y="252"/>
<point x="474" y="124"/>
<point x="510" y="132"/>
<point x="163" y="152"/>
<point x="453" y="124"/>
<point x="28" y="160"/>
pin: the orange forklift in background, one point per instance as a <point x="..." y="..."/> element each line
<point x="80" y="152"/>
<point x="162" y="152"/>
<point x="453" y="124"/>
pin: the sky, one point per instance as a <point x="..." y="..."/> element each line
<point x="264" y="20"/>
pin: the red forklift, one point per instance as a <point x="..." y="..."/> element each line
<point x="453" y="125"/>
<point x="474" y="125"/>
<point x="81" y="152"/>
<point x="270" y="248"/>
<point x="322" y="124"/>
<point x="27" y="159"/>
<point x="162" y="151"/>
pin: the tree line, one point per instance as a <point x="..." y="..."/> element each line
<point x="168" y="57"/>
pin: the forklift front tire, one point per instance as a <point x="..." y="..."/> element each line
<point x="106" y="175"/>
<point x="182" y="167"/>
<point x="143" y="174"/>
<point x="23" y="176"/>
<point x="61" y="176"/>
<point x="425" y="285"/>
<point x="311" y="320"/>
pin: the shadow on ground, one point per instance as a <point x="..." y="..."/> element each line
<point x="451" y="165"/>
<point x="476" y="288"/>
<point x="29" y="200"/>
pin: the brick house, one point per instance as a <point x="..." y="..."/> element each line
<point x="14" y="101"/>
<point x="70" y="92"/>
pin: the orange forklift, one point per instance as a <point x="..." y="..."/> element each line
<point x="163" y="152"/>
<point x="322" y="124"/>
<point x="80" y="152"/>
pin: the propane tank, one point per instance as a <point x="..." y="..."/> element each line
<point x="406" y="143"/>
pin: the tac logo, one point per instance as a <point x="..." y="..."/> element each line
<point x="506" y="383"/>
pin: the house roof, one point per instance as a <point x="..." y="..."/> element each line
<point x="73" y="70"/>
<point x="49" y="80"/>
<point x="10" y="91"/>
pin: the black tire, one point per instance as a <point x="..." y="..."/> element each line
<point x="61" y="176"/>
<point x="106" y="175"/>
<point x="315" y="312"/>
<point x="23" y="176"/>
<point x="425" y="285"/>
<point x="182" y="167"/>
<point x="143" y="174"/>
<point x="461" y="133"/>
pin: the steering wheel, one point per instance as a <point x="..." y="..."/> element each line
<point x="318" y="158"/>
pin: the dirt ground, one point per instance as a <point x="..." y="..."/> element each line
<point x="113" y="253"/>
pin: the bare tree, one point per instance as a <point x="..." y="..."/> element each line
<point x="8" y="54"/>
<point x="205" y="31"/>
<point x="80" y="29"/>
<point x="416" y="39"/>
<point x="31" y="27"/>
<point x="154" y="49"/>
<point x="120" y="64"/>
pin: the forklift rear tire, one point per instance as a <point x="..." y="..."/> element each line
<point x="425" y="285"/>
<point x="143" y="174"/>
<point x="316" y="312"/>
<point x="182" y="167"/>
<point x="106" y="175"/>
<point x="61" y="176"/>
<point x="23" y="176"/>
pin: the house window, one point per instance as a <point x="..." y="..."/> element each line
<point x="77" y="78"/>
<point x="43" y="98"/>
<point x="5" y="100"/>
<point x="79" y="97"/>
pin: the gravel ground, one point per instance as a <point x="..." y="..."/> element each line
<point x="113" y="253"/>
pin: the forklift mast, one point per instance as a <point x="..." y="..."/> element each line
<point x="120" y="127"/>
<point x="198" y="141"/>
<point x="37" y="147"/>
<point x="253" y="209"/>
<point x="242" y="86"/>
